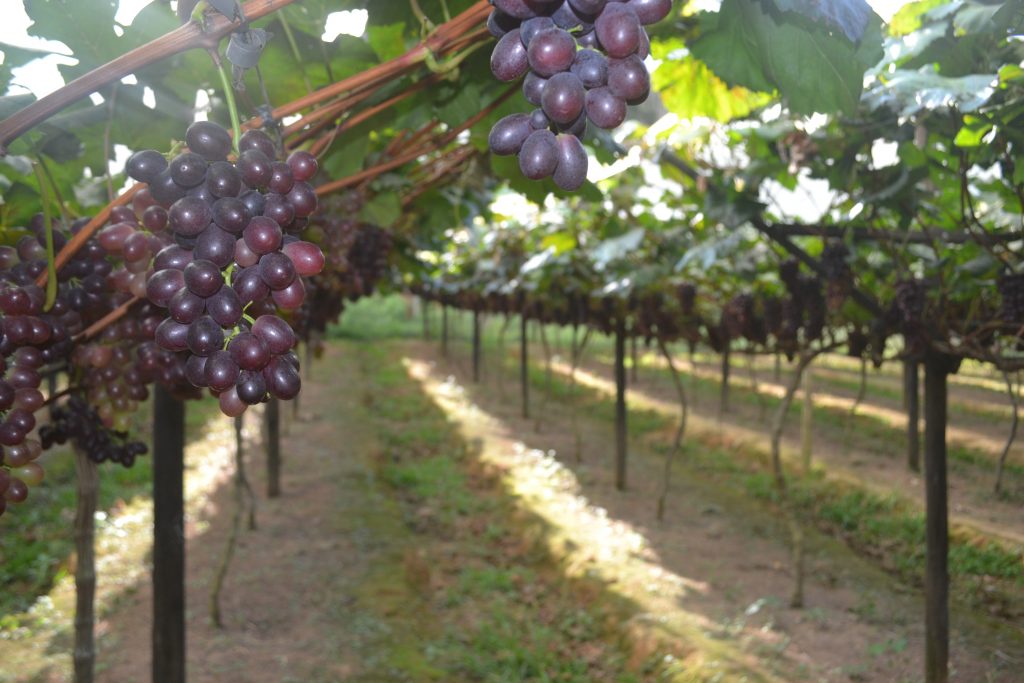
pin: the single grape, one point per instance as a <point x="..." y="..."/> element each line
<point x="203" y="278"/>
<point x="590" y="7"/>
<point x="283" y="381"/>
<point x="279" y="209"/>
<point x="618" y="29"/>
<point x="244" y="256"/>
<point x="223" y="179"/>
<point x="248" y="351"/>
<point x="189" y="216"/>
<point x="307" y="258"/>
<point x="281" y="178"/>
<point x="204" y="336"/>
<point x="262" y="235"/>
<point x="225" y="307"/>
<point x="154" y="218"/>
<point x="291" y="297"/>
<point x="172" y="335"/>
<point x="215" y="245"/>
<point x="551" y="51"/>
<point x="508" y="134"/>
<point x="532" y="27"/>
<point x="499" y="23"/>
<point x="188" y="169"/>
<point x="303" y="199"/>
<point x="604" y="109"/>
<point x="172" y="257"/>
<point x="255" y="168"/>
<point x="509" y="60"/>
<point x="208" y="140"/>
<point x="650" y="11"/>
<point x="564" y="98"/>
<point x="146" y="165"/>
<point x="276" y="270"/>
<point x="231" y="214"/>
<point x="303" y="164"/>
<point x="230" y="404"/>
<point x="591" y="67"/>
<point x="629" y="79"/>
<point x="195" y="370"/>
<point x="572" y="163"/>
<point x="275" y="333"/>
<point x="251" y="387"/>
<point x="221" y="371"/>
<point x="257" y="140"/>
<point x="250" y="286"/>
<point x="185" y="307"/>
<point x="164" y="190"/>
<point x="538" y="157"/>
<point x="533" y="88"/>
<point x="163" y="285"/>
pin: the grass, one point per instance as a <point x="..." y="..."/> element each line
<point x="35" y="537"/>
<point x="508" y="616"/>
<point x="887" y="529"/>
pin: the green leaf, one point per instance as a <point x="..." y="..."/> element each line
<point x="911" y="92"/>
<point x="382" y="210"/>
<point x="812" y="69"/>
<point x="849" y="16"/>
<point x="908" y="18"/>
<point x="971" y="133"/>
<point x="387" y="41"/>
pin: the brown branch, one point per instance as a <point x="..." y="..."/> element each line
<point x="184" y="38"/>
<point x="108" y="320"/>
<point x="392" y="164"/>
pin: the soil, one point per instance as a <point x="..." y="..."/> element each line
<point x="859" y="624"/>
<point x="340" y="582"/>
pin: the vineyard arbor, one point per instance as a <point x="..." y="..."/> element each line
<point x="908" y="133"/>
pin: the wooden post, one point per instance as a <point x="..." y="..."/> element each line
<point x="723" y="399"/>
<point x="620" y="405"/>
<point x="633" y="359"/>
<point x="85" y="567"/>
<point x="936" y="368"/>
<point x="273" y="433"/>
<point x="476" y="347"/>
<point x="807" y="422"/>
<point x="168" y="538"/>
<point x="444" y="331"/>
<point x="912" y="404"/>
<point x="425" y="312"/>
<point x="524" y="378"/>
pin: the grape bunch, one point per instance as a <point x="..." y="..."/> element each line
<point x="1011" y="290"/>
<point x="19" y="399"/>
<point x="583" y="60"/>
<point x="78" y="421"/>
<point x="907" y="313"/>
<point x="236" y="259"/>
<point x="838" y="274"/>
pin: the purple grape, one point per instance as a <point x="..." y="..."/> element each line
<point x="509" y="59"/>
<point x="231" y="214"/>
<point x="225" y="307"/>
<point x="618" y="29"/>
<point x="189" y="216"/>
<point x="281" y="178"/>
<point x="591" y="67"/>
<point x="303" y="199"/>
<point x="628" y="78"/>
<point x="650" y="11"/>
<point x="604" y="109"/>
<point x="531" y="27"/>
<point x="248" y="351"/>
<point x="204" y="336"/>
<point x="255" y="168"/>
<point x="164" y="190"/>
<point x="279" y="210"/>
<point x="304" y="165"/>
<point x="563" y="98"/>
<point x="188" y="169"/>
<point x="508" y="134"/>
<point x="185" y="307"/>
<point x="538" y="157"/>
<point x="195" y="370"/>
<point x="572" y="163"/>
<point x="251" y="387"/>
<point x="283" y="381"/>
<point x="262" y="235"/>
<point x="499" y="23"/>
<point x="172" y="335"/>
<point x="163" y="285"/>
<point x="276" y="270"/>
<point x="291" y="297"/>
<point x="221" y="371"/>
<point x="223" y="179"/>
<point x="146" y="165"/>
<point x="275" y="333"/>
<point x="533" y="88"/>
<point x="203" y="278"/>
<point x="172" y="257"/>
<point x="208" y="140"/>
<point x="307" y="258"/>
<point x="250" y="286"/>
<point x="259" y="141"/>
<point x="215" y="245"/>
<point x="551" y="51"/>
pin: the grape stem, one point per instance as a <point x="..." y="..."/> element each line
<point x="229" y="97"/>
<point x="51" y="269"/>
<point x="107" y="320"/>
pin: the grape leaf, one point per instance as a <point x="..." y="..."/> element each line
<point x="849" y="16"/>
<point x="382" y="210"/>
<point x="813" y="70"/>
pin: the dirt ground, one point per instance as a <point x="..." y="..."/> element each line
<point x="859" y="624"/>
<point x="348" y="579"/>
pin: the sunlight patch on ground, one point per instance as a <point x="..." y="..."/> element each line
<point x="591" y="544"/>
<point x="41" y="644"/>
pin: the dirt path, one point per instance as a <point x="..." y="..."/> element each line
<point x="719" y="565"/>
<point x="871" y="458"/>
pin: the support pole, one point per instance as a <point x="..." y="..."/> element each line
<point x="633" y="359"/>
<point x="168" y="538"/>
<point x="444" y="331"/>
<point x="273" y="425"/>
<point x="85" y="567"/>
<point x="425" y="313"/>
<point x="476" y="347"/>
<point x="524" y="379"/>
<point x="723" y="399"/>
<point x="912" y="403"/>
<point x="807" y="421"/>
<point x="620" y="405"/>
<point x="936" y="368"/>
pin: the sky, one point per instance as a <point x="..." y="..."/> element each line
<point x="42" y="77"/>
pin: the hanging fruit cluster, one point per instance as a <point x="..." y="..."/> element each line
<point x="583" y="60"/>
